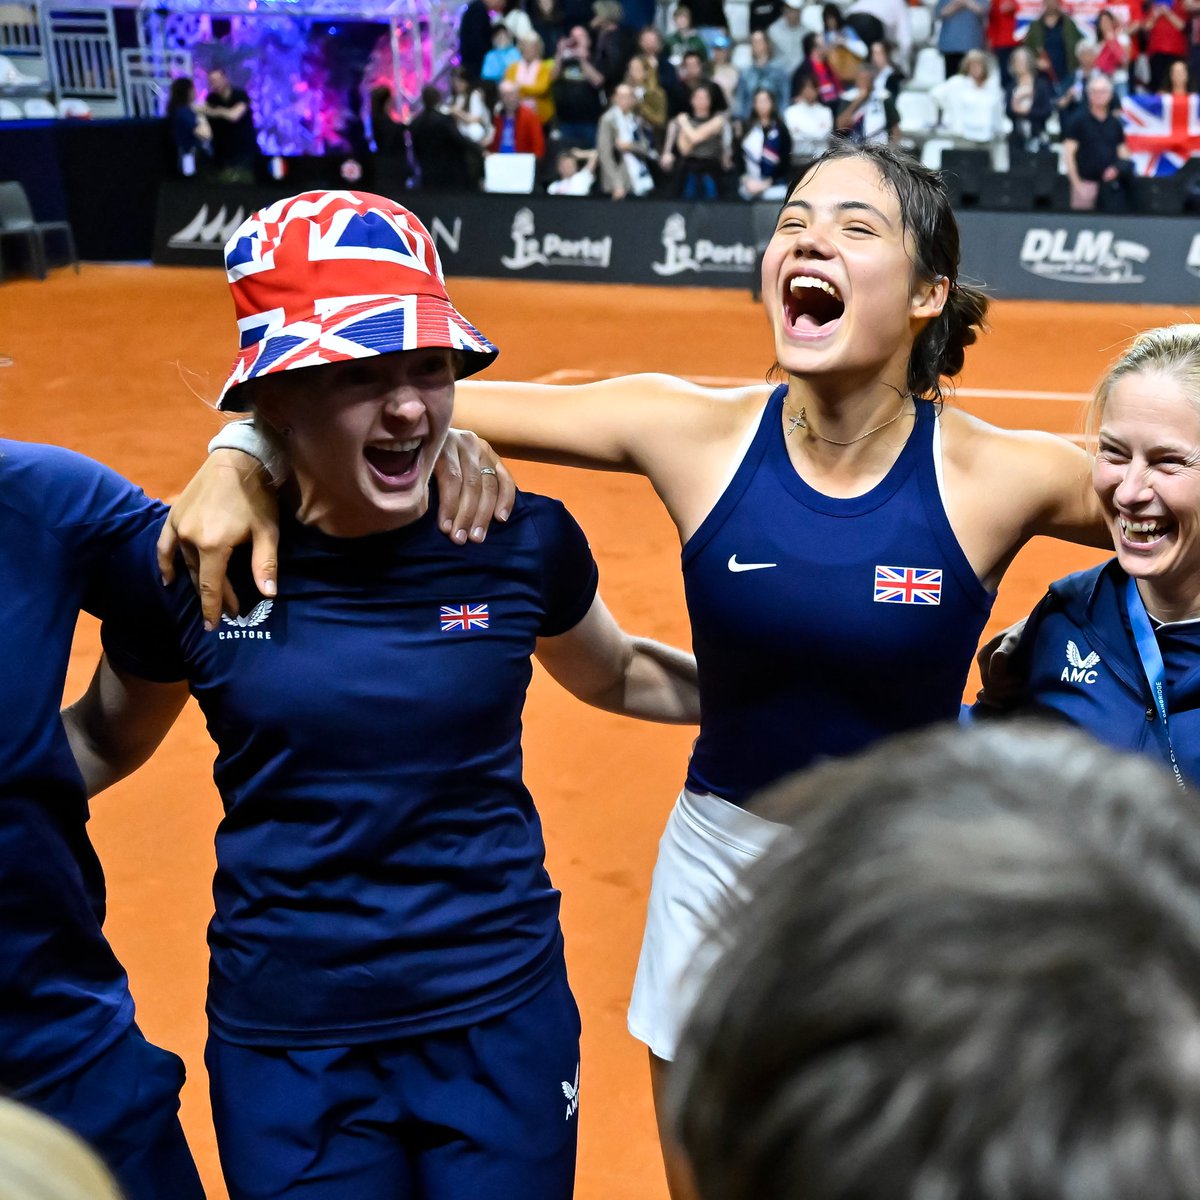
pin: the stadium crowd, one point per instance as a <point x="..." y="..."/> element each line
<point x="723" y="98"/>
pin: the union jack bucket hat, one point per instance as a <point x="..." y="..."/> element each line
<point x="325" y="277"/>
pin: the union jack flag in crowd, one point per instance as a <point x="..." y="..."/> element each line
<point x="1161" y="132"/>
<point x="464" y="616"/>
<point x="329" y="276"/>
<point x="908" y="585"/>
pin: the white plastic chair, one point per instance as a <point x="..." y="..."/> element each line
<point x="812" y="19"/>
<point x="39" y="108"/>
<point x="920" y="21"/>
<point x="738" y="16"/>
<point x="930" y="70"/>
<point x="69" y="106"/>
<point x="10" y="111"/>
<point x="918" y="114"/>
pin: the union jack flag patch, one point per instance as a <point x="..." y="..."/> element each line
<point x="908" y="585"/>
<point x="464" y="617"/>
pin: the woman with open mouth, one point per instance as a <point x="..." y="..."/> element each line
<point x="388" y="1001"/>
<point x="1116" y="649"/>
<point x="843" y="535"/>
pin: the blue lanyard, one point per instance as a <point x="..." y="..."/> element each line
<point x="1152" y="665"/>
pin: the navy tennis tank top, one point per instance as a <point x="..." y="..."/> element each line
<point x="821" y="625"/>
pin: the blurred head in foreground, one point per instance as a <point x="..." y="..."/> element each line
<point x="971" y="973"/>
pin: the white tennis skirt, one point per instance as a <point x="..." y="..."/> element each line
<point x="705" y="848"/>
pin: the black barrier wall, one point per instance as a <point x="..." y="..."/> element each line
<point x="1039" y="256"/>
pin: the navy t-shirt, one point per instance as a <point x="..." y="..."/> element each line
<point x="64" y="997"/>
<point x="380" y="863"/>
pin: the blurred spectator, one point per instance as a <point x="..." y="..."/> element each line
<point x="1056" y="36"/>
<point x="1165" y="29"/>
<point x="578" y="90"/>
<point x="446" y="159"/>
<point x="888" y="77"/>
<point x="698" y="148"/>
<point x="1071" y="97"/>
<point x="190" y="132"/>
<point x="964" y="27"/>
<point x="763" y="13"/>
<point x="1095" y="154"/>
<point x="865" y="115"/>
<point x="534" y="76"/>
<point x="612" y="43"/>
<point x="576" y="173"/>
<point x="708" y="16"/>
<point x="809" y="122"/>
<point x="501" y="56"/>
<point x="650" y="101"/>
<point x="763" y="73"/>
<point x="1029" y="102"/>
<point x="966" y="972"/>
<point x="786" y="36"/>
<point x="548" y="24"/>
<point x="766" y="152"/>
<point x="897" y="25"/>
<point x="684" y="38"/>
<point x="816" y="64"/>
<point x="1112" y="54"/>
<point x="721" y="69"/>
<point x="1179" y="79"/>
<point x="624" y="148"/>
<point x="1002" y="35"/>
<point x="474" y="36"/>
<point x="692" y="72"/>
<point x="515" y="18"/>
<point x="42" y="1160"/>
<point x="845" y="51"/>
<point x="651" y="47"/>
<point x="392" y="166"/>
<point x="971" y="105"/>
<point x="516" y="129"/>
<point x="234" y="142"/>
<point x="469" y="107"/>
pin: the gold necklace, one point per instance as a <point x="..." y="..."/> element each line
<point x="799" y="420"/>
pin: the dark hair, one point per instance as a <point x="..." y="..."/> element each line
<point x="710" y="90"/>
<point x="807" y="43"/>
<point x="180" y="95"/>
<point x="770" y="95"/>
<point x="969" y="970"/>
<point x="431" y="97"/>
<point x="932" y="231"/>
<point x="831" y="12"/>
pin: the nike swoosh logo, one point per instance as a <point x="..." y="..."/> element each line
<point x="734" y="565"/>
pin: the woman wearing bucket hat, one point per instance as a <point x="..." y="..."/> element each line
<point x="842" y="535"/>
<point x="389" y="1008"/>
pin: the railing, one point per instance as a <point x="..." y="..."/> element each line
<point x="147" y="75"/>
<point x="82" y="51"/>
<point x="20" y="34"/>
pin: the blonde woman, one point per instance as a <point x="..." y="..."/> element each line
<point x="533" y="74"/>
<point x="1097" y="647"/>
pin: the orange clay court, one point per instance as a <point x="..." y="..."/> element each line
<point x="114" y="363"/>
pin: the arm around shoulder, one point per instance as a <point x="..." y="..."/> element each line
<point x="608" y="668"/>
<point x="118" y="723"/>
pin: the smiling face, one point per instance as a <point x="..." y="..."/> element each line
<point x="1147" y="476"/>
<point x="363" y="436"/>
<point x="838" y="277"/>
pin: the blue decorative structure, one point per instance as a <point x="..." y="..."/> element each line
<point x="302" y="61"/>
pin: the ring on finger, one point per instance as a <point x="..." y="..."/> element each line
<point x="487" y="471"/>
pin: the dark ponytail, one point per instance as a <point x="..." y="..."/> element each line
<point x="941" y="346"/>
<point x="933" y="235"/>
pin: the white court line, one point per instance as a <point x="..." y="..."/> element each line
<point x="574" y="375"/>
